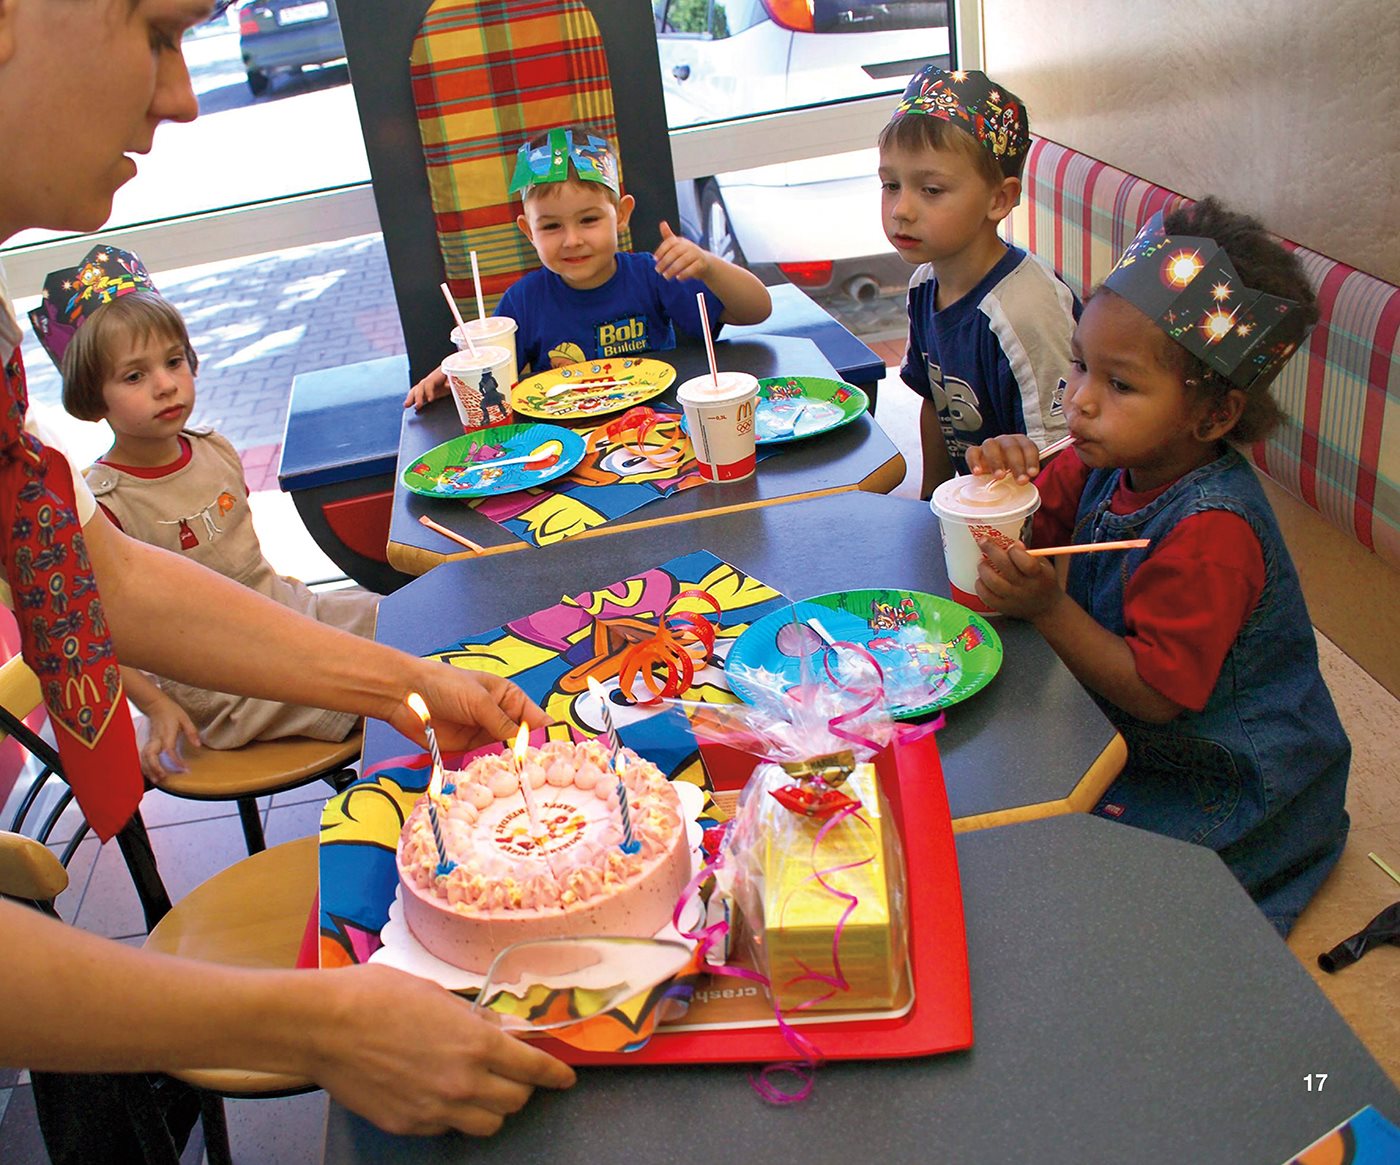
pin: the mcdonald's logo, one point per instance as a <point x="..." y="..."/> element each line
<point x="76" y="689"/>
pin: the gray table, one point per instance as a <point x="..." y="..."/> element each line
<point x="1131" y="1005"/>
<point x="1030" y="744"/>
<point x="856" y="456"/>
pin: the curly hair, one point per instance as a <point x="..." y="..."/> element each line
<point x="1263" y="264"/>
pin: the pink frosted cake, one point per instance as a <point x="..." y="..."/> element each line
<point x="573" y="879"/>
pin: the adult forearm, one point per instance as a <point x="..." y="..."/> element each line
<point x="76" y="1002"/>
<point x="177" y="619"/>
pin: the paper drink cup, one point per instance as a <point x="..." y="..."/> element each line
<point x="720" y="418"/>
<point x="973" y="509"/>
<point x="495" y="332"/>
<point x="480" y="385"/>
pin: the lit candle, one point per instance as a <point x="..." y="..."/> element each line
<point x="630" y="844"/>
<point x="445" y="864"/>
<point x="522" y="742"/>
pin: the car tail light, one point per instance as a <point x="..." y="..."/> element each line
<point x="248" y="21"/>
<point x="791" y="14"/>
<point x="813" y="274"/>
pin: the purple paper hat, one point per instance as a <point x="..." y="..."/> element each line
<point x="971" y="99"/>
<point x="74" y="293"/>
<point x="1188" y="287"/>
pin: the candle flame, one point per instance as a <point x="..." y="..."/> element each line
<point x="596" y="688"/>
<point x="418" y="706"/>
<point x="435" y="785"/>
<point x="522" y="742"/>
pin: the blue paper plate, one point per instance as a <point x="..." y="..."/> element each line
<point x="462" y="467"/>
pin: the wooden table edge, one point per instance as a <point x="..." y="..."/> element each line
<point x="1081" y="799"/>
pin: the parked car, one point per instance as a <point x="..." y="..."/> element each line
<point x="283" y="36"/>
<point x="818" y="220"/>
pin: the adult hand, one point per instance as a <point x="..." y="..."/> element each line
<point x="415" y="1059"/>
<point x="468" y="708"/>
<point x="678" y="258"/>
<point x="167" y="727"/>
<point x="1012" y="453"/>
<point x="428" y="389"/>
<point x="1010" y="581"/>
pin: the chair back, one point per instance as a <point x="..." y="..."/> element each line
<point x="479" y="77"/>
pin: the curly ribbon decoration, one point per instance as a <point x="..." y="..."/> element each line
<point x="871" y="695"/>
<point x="809" y="1059"/>
<point x="682" y="639"/>
<point x="641" y="421"/>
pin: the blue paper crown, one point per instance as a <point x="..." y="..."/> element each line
<point x="1188" y="287"/>
<point x="589" y="155"/>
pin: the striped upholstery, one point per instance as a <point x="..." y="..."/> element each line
<point x="486" y="76"/>
<point x="1339" y="392"/>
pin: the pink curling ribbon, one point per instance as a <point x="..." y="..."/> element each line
<point x="870" y="695"/>
<point x="707" y="938"/>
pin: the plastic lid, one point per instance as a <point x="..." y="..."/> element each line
<point x="983" y="496"/>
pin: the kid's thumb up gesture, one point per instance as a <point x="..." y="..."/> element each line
<point x="679" y="258"/>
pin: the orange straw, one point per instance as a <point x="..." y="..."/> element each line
<point x="452" y="534"/>
<point x="456" y="315"/>
<point x="709" y="341"/>
<point x="1089" y="547"/>
<point x="1056" y="446"/>
<point x="476" y="282"/>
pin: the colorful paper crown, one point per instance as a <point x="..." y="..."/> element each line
<point x="972" y="100"/>
<point x="74" y="293"/>
<point x="1188" y="287"/>
<point x="591" y="158"/>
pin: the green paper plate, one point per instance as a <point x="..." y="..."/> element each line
<point x="567" y="393"/>
<point x="934" y="652"/>
<point x="460" y="468"/>
<point x="792" y="408"/>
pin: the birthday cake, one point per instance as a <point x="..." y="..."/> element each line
<point x="511" y="875"/>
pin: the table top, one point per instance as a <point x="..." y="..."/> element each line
<point x="343" y="423"/>
<point x="1032" y="743"/>
<point x="1130" y="1004"/>
<point x="795" y="313"/>
<point x="856" y="456"/>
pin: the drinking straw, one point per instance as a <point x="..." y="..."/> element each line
<point x="709" y="341"/>
<point x="446" y="533"/>
<point x="1055" y="446"/>
<point x="456" y="315"/>
<point x="476" y="282"/>
<point x="1381" y="862"/>
<point x="1089" y="547"/>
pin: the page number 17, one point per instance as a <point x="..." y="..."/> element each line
<point x="1315" y="1081"/>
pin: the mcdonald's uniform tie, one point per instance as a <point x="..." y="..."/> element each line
<point x="63" y="630"/>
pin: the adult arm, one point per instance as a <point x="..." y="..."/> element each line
<point x="404" y="1053"/>
<point x="177" y="619"/>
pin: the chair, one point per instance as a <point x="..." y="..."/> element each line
<point x="262" y="768"/>
<point x="479" y="77"/>
<point x="253" y="914"/>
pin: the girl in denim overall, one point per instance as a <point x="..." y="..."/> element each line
<point x="1197" y="646"/>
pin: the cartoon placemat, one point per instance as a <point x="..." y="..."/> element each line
<point x="623" y="468"/>
<point x="549" y="654"/>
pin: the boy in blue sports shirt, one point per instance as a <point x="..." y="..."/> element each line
<point x="590" y="300"/>
<point x="989" y="325"/>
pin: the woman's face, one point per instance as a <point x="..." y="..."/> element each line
<point x="84" y="83"/>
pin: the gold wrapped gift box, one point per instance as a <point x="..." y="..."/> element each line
<point x="797" y="932"/>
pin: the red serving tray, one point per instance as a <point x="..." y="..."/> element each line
<point x="940" y="1019"/>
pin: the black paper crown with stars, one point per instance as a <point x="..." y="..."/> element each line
<point x="1188" y="287"/>
<point x="972" y="100"/>
<point x="72" y="294"/>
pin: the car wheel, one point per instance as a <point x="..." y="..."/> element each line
<point x="717" y="232"/>
<point x="257" y="82"/>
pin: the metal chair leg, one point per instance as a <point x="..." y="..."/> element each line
<point x="211" y="1116"/>
<point x="252" y="824"/>
<point x="135" y="845"/>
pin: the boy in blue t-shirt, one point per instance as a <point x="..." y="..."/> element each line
<point x="589" y="300"/>
<point x="989" y="325"/>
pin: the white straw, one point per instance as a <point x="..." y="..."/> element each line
<point x="1055" y="446"/>
<point x="456" y="315"/>
<point x="476" y="282"/>
<point x="709" y="341"/>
